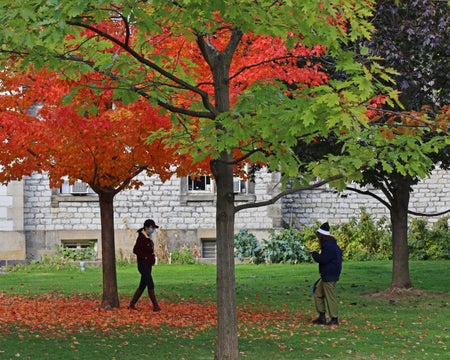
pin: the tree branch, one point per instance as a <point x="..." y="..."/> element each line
<point x="141" y="59"/>
<point x="247" y="67"/>
<point x="141" y="92"/>
<point x="425" y="122"/>
<point x="362" y="192"/>
<point x="286" y="192"/>
<point x="125" y="183"/>
<point x="429" y="215"/>
<point x="385" y="203"/>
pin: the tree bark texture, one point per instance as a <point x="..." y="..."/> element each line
<point x="400" y="251"/>
<point x="222" y="169"/>
<point x="227" y="340"/>
<point x="110" y="298"/>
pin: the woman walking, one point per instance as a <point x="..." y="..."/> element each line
<point x="144" y="250"/>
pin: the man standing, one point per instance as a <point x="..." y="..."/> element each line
<point x="330" y="266"/>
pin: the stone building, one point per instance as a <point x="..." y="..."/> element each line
<point x="36" y="220"/>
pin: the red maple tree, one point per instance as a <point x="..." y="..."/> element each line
<point x="91" y="137"/>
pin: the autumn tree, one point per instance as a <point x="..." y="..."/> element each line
<point x="413" y="38"/>
<point x="405" y="142"/>
<point x="229" y="74"/>
<point x="106" y="149"/>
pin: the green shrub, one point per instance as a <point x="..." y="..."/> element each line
<point x="183" y="256"/>
<point x="63" y="258"/>
<point x="245" y="245"/>
<point x="365" y="238"/>
<point x="287" y="246"/>
<point x="429" y="244"/>
<point x="359" y="239"/>
<point x="55" y="262"/>
<point x="80" y="254"/>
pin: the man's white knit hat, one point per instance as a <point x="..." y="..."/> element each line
<point x="324" y="229"/>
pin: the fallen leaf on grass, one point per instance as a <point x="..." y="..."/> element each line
<point x="57" y="315"/>
<point x="62" y="316"/>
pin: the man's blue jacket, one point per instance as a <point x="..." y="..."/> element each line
<point x="329" y="259"/>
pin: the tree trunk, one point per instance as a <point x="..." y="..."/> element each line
<point x="222" y="169"/>
<point x="110" y="298"/>
<point x="227" y="340"/>
<point x="400" y="251"/>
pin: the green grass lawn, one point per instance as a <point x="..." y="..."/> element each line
<point x="277" y="325"/>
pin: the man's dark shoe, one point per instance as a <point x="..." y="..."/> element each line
<point x="333" y="321"/>
<point x="320" y="320"/>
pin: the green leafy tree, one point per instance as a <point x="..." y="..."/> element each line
<point x="413" y="38"/>
<point x="227" y="71"/>
<point x="404" y="143"/>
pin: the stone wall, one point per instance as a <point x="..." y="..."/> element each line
<point x="35" y="219"/>
<point x="430" y="196"/>
<point x="12" y="238"/>
<point x="52" y="218"/>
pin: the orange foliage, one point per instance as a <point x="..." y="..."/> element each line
<point x="257" y="58"/>
<point x="106" y="147"/>
<point x="408" y="122"/>
<point x="59" y="316"/>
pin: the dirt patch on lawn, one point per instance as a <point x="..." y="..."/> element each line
<point x="394" y="295"/>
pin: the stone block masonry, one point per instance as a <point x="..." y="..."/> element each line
<point x="51" y="218"/>
<point x="35" y="219"/>
<point x="432" y="195"/>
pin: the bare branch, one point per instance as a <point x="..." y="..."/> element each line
<point x="429" y="215"/>
<point x="245" y="68"/>
<point x="365" y="192"/>
<point x="385" y="203"/>
<point x="286" y="192"/>
<point x="425" y="122"/>
<point x="125" y="183"/>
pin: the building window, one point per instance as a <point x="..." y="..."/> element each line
<point x="205" y="184"/>
<point x="200" y="183"/>
<point x="209" y="248"/>
<point x="203" y="189"/>
<point x="78" y="188"/>
<point x="239" y="186"/>
<point x="79" y="249"/>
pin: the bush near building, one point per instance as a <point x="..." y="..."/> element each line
<point x="360" y="239"/>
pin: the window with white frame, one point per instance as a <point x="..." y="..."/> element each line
<point x="77" y="188"/>
<point x="204" y="184"/>
<point x="199" y="183"/>
<point x="239" y="186"/>
<point x="203" y="188"/>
